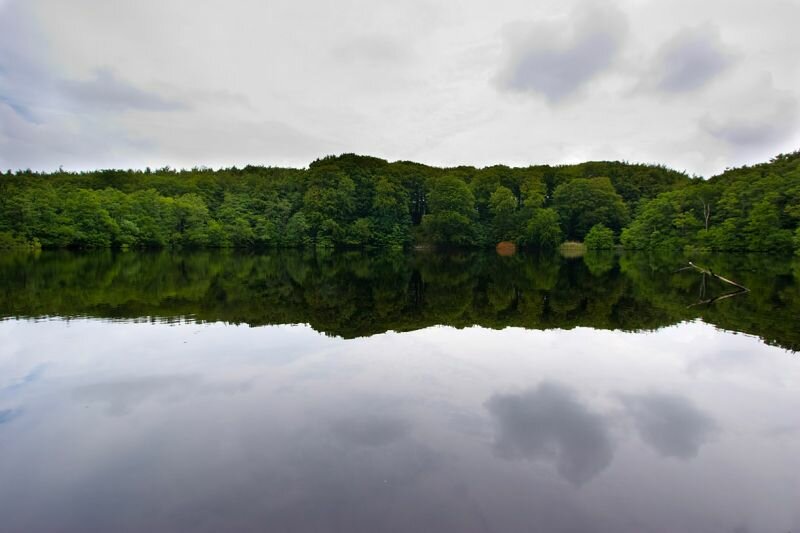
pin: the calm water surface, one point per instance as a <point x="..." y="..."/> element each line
<point x="468" y="392"/>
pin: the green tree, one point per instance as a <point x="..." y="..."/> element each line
<point x="451" y="212"/>
<point x="797" y="241"/>
<point x="192" y="219"/>
<point x="391" y="218"/>
<point x="599" y="238"/>
<point x="582" y="203"/>
<point x="763" y="231"/>
<point x="543" y="230"/>
<point x="502" y="206"/>
<point x="329" y="206"/>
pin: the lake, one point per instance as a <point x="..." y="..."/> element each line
<point x="345" y="391"/>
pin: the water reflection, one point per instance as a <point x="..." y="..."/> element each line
<point x="370" y="430"/>
<point x="122" y="396"/>
<point x="549" y="423"/>
<point x="213" y="427"/>
<point x="356" y="294"/>
<point x="7" y="415"/>
<point x="671" y="424"/>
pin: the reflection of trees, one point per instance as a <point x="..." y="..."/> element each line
<point x="355" y="293"/>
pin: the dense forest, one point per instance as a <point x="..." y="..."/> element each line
<point x="357" y="201"/>
<point x="357" y="293"/>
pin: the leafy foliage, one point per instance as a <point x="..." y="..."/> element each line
<point x="599" y="238"/>
<point x="356" y="201"/>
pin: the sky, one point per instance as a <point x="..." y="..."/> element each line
<point x="697" y="86"/>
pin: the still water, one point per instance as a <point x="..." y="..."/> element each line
<point x="426" y="392"/>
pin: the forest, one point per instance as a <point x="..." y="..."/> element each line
<point x="352" y="201"/>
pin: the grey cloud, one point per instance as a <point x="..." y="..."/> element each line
<point x="47" y="120"/>
<point x="49" y="141"/>
<point x="765" y="124"/>
<point x="672" y="425"/>
<point x="121" y="397"/>
<point x="549" y="424"/>
<point x="105" y="91"/>
<point x="33" y="88"/>
<point x="371" y="430"/>
<point x="690" y="60"/>
<point x="556" y="60"/>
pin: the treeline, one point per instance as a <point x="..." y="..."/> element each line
<point x="753" y="208"/>
<point x="358" y="201"/>
<point x="355" y="293"/>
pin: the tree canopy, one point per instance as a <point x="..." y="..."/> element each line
<point x="358" y="201"/>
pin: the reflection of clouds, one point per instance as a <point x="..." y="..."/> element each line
<point x="671" y="424"/>
<point x="344" y="488"/>
<point x="124" y="395"/>
<point x="549" y="423"/>
<point x="7" y="415"/>
<point x="31" y="377"/>
<point x="370" y="431"/>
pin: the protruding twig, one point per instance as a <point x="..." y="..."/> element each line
<point x="713" y="275"/>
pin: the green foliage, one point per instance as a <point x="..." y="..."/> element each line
<point x="452" y="212"/>
<point x="351" y="201"/>
<point x="543" y="230"/>
<point x="391" y="218"/>
<point x="666" y="221"/>
<point x="599" y="238"/>
<point x="12" y="242"/>
<point x="582" y="203"/>
<point x="797" y="241"/>
<point x="763" y="230"/>
<point x="502" y="205"/>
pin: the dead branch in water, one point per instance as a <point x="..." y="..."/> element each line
<point x="713" y="275"/>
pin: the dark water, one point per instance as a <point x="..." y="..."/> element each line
<point x="426" y="392"/>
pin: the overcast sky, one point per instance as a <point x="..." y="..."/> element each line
<point x="697" y="86"/>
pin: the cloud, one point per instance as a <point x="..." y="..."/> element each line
<point x="549" y="424"/>
<point x="672" y="425"/>
<point x="52" y="139"/>
<point x="219" y="85"/>
<point x="105" y="91"/>
<point x="556" y="59"/>
<point x="373" y="49"/>
<point x="47" y="119"/>
<point x="690" y="60"/>
<point x="755" y="116"/>
<point x="36" y="89"/>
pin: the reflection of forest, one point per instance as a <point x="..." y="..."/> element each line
<point x="355" y="294"/>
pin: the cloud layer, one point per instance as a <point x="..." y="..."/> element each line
<point x="697" y="87"/>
